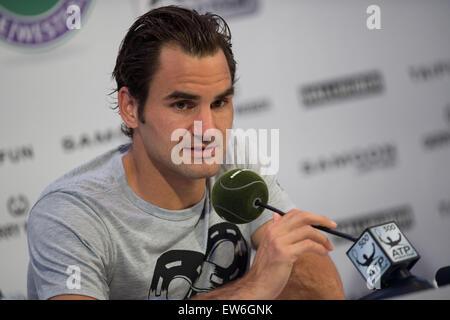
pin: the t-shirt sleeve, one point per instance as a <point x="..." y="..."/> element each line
<point x="69" y="247"/>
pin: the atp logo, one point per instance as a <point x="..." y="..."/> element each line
<point x="391" y="243"/>
<point x="397" y="247"/>
<point x="374" y="264"/>
<point x="368" y="259"/>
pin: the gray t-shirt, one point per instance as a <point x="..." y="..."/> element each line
<point x="90" y="234"/>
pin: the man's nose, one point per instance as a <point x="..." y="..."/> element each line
<point x="207" y="119"/>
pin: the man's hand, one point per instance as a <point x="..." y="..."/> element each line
<point x="282" y="243"/>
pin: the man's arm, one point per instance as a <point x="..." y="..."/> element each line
<point x="67" y="243"/>
<point x="313" y="276"/>
<point x="242" y="289"/>
<point x="285" y="264"/>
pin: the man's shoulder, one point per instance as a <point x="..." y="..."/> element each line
<point x="97" y="175"/>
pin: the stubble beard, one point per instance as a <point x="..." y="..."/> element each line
<point x="201" y="170"/>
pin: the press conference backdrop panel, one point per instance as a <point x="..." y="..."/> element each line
<point x="362" y="105"/>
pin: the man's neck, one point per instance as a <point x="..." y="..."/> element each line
<point x="166" y="190"/>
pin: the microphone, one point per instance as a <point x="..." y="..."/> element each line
<point x="443" y="276"/>
<point x="240" y="196"/>
<point x="382" y="254"/>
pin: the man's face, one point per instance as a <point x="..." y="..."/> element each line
<point x="185" y="89"/>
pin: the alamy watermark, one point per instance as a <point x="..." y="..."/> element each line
<point x="74" y="279"/>
<point x="254" y="141"/>
<point x="373" y="277"/>
<point x="73" y="21"/>
<point x="373" y="21"/>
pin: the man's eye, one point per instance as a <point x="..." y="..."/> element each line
<point x="219" y="103"/>
<point x="181" y="105"/>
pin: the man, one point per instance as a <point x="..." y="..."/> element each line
<point x="133" y="224"/>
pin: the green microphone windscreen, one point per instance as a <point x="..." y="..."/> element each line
<point x="234" y="194"/>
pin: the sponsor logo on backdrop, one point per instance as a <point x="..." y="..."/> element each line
<point x="433" y="71"/>
<point x="16" y="154"/>
<point x="252" y="107"/>
<point x="340" y="89"/>
<point x="439" y="138"/>
<point x="92" y="139"/>
<point x="362" y="160"/>
<point x="402" y="215"/>
<point x="224" y="8"/>
<point x="37" y="23"/>
<point x="17" y="206"/>
<point x="10" y="230"/>
<point x="444" y="208"/>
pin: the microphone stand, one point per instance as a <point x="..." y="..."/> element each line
<point x="334" y="232"/>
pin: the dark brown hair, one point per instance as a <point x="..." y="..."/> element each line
<point x="196" y="34"/>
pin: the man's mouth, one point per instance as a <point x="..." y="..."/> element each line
<point x="203" y="151"/>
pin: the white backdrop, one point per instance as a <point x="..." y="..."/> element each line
<point x="375" y="145"/>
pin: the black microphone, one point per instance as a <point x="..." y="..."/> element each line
<point x="382" y="254"/>
<point x="443" y="276"/>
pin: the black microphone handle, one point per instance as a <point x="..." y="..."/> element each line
<point x="325" y="229"/>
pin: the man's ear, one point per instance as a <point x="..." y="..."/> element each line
<point x="128" y="107"/>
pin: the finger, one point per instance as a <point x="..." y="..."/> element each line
<point x="296" y="217"/>
<point x="305" y="233"/>
<point x="276" y="217"/>
<point x="307" y="246"/>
